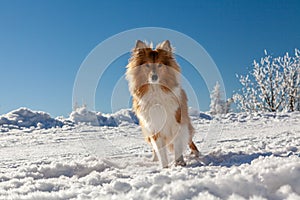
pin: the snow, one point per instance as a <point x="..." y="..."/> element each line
<point x="255" y="156"/>
<point x="125" y="116"/>
<point x="82" y="115"/>
<point x="26" y="118"/>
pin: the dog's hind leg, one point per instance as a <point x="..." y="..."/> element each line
<point x="194" y="149"/>
<point x="192" y="145"/>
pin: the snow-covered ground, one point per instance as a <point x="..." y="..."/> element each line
<point x="243" y="157"/>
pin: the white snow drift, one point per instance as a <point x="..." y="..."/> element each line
<point x="250" y="156"/>
<point x="26" y="118"/>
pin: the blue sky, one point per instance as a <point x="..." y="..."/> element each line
<point x="43" y="43"/>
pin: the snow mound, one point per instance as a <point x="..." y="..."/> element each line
<point x="125" y="116"/>
<point x="26" y="118"/>
<point x="83" y="115"/>
<point x="68" y="169"/>
<point x="105" y="120"/>
<point x="193" y="112"/>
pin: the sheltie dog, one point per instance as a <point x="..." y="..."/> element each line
<point x="159" y="101"/>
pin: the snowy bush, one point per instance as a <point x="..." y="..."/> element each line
<point x="273" y="85"/>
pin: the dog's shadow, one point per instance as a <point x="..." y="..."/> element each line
<point x="230" y="159"/>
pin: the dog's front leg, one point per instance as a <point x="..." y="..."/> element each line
<point x="180" y="142"/>
<point x="178" y="150"/>
<point x="154" y="156"/>
<point x="159" y="147"/>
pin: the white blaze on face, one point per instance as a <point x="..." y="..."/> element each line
<point x="158" y="117"/>
<point x="153" y="78"/>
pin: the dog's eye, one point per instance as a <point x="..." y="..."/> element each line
<point x="160" y="65"/>
<point x="141" y="63"/>
<point x="166" y="63"/>
<point x="147" y="65"/>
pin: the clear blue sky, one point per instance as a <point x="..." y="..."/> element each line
<point x="43" y="43"/>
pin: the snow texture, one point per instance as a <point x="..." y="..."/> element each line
<point x="252" y="156"/>
<point x="82" y="115"/>
<point x="26" y="118"/>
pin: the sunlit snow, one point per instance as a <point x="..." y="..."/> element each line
<point x="255" y="156"/>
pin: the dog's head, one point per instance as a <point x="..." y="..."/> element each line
<point x="153" y="66"/>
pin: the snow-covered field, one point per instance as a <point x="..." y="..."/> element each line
<point x="243" y="157"/>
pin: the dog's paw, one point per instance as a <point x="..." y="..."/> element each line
<point x="195" y="153"/>
<point x="180" y="163"/>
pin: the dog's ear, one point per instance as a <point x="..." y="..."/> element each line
<point x="165" y="45"/>
<point x="140" y="45"/>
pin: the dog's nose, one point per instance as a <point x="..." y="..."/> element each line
<point x="154" y="77"/>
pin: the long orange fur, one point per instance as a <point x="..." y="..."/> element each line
<point x="143" y="64"/>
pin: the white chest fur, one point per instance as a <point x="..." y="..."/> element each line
<point x="158" y="108"/>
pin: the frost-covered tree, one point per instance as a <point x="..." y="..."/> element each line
<point x="272" y="85"/>
<point x="291" y="80"/>
<point x="228" y="105"/>
<point x="217" y="104"/>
